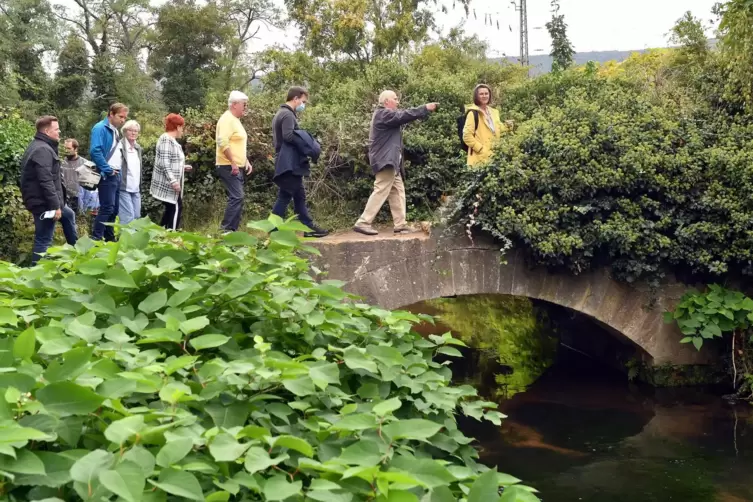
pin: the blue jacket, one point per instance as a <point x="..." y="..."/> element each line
<point x="294" y="156"/>
<point x="101" y="146"/>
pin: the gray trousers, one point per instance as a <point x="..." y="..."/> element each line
<point x="234" y="190"/>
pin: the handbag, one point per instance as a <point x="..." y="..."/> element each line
<point x="88" y="176"/>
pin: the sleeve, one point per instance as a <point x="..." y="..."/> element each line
<point x="469" y="133"/>
<point x="287" y="126"/>
<point x="224" y="131"/>
<point x="97" y="153"/>
<point x="162" y="159"/>
<point x="396" y="118"/>
<point x="42" y="162"/>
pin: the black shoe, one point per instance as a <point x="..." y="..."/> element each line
<point x="316" y="232"/>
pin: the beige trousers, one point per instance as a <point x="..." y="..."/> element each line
<point x="388" y="185"/>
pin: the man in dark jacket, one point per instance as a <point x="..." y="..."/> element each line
<point x="386" y="158"/>
<point x="42" y="188"/>
<point x="293" y="148"/>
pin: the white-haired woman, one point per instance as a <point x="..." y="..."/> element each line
<point x="130" y="184"/>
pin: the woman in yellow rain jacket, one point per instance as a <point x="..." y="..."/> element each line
<point x="481" y="140"/>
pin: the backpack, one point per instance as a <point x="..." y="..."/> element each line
<point x="461" y="126"/>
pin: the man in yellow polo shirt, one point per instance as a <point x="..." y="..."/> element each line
<point x="231" y="158"/>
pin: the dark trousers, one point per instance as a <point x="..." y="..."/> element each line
<point x="44" y="230"/>
<point x="109" y="205"/>
<point x="172" y="215"/>
<point x="291" y="188"/>
<point x="234" y="190"/>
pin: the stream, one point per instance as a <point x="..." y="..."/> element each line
<point x="577" y="429"/>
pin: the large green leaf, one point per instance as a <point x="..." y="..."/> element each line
<point x="87" y="468"/>
<point x="126" y="480"/>
<point x="174" y="451"/>
<point x="485" y="488"/>
<point x="179" y="483"/>
<point x="67" y="398"/>
<point x="153" y="302"/>
<point x="25" y="462"/>
<point x="279" y="488"/>
<point x="294" y="443"/>
<point x="355" y="422"/>
<point x="257" y="459"/>
<point x="225" y="448"/>
<point x="415" y="428"/>
<point x="25" y="344"/>
<point x="355" y="359"/>
<point x="122" y="430"/>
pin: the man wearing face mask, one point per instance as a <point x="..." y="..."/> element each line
<point x="293" y="149"/>
<point x="231" y="158"/>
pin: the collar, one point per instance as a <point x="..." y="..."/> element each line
<point x="285" y="105"/>
<point x="43" y="137"/>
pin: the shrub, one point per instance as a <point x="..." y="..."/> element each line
<point x="617" y="176"/>
<point x="173" y="366"/>
<point x="15" y="221"/>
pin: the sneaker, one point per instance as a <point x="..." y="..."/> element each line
<point x="365" y="230"/>
<point x="316" y="232"/>
<point x="405" y="229"/>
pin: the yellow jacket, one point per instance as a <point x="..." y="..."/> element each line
<point x="480" y="144"/>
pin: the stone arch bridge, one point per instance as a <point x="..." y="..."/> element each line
<point x="397" y="271"/>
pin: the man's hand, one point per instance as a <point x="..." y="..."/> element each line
<point x="58" y="214"/>
<point x="234" y="169"/>
<point x="249" y="167"/>
<point x="176" y="186"/>
<point x="432" y="106"/>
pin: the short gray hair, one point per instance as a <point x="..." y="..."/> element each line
<point x="386" y="95"/>
<point x="236" y="97"/>
<point x="131" y="125"/>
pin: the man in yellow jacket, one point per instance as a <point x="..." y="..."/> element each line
<point x="483" y="126"/>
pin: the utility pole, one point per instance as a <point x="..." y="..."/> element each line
<point x="520" y="6"/>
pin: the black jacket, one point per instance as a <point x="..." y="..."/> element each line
<point x="41" y="183"/>
<point x="293" y="157"/>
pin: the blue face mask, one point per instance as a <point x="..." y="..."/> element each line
<point x="300" y="107"/>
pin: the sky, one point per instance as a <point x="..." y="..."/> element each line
<point x="593" y="25"/>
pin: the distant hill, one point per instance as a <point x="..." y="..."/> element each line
<point x="542" y="63"/>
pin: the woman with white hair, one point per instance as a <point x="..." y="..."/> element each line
<point x="130" y="184"/>
<point x="231" y="158"/>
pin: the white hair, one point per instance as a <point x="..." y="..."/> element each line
<point x="386" y="95"/>
<point x="131" y="125"/>
<point x="236" y="97"/>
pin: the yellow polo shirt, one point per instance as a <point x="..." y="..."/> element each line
<point x="230" y="132"/>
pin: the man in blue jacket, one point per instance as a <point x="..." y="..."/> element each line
<point x="293" y="148"/>
<point x="105" y="149"/>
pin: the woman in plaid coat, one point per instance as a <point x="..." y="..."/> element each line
<point x="169" y="169"/>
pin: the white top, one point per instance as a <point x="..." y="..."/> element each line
<point x="116" y="161"/>
<point x="133" y="176"/>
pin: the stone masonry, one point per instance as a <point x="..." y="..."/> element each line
<point x="396" y="271"/>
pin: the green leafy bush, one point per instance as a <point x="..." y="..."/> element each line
<point x="16" y="225"/>
<point x="171" y="366"/>
<point x="608" y="174"/>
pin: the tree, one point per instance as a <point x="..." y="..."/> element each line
<point x="72" y="75"/>
<point x="736" y="42"/>
<point x="562" y="50"/>
<point x="188" y="42"/>
<point x="247" y="17"/>
<point x="362" y="30"/>
<point x="30" y="32"/>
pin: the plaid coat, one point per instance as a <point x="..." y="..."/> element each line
<point x="169" y="162"/>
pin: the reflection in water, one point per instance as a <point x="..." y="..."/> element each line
<point x="505" y="330"/>
<point x="582" y="432"/>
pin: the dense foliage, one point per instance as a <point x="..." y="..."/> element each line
<point x="714" y="313"/>
<point x="172" y="366"/>
<point x="644" y="167"/>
